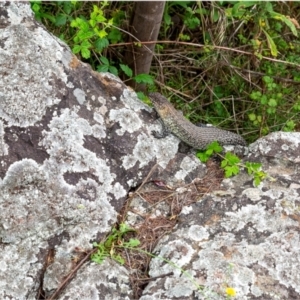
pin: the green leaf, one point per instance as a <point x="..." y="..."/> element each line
<point x="286" y="20"/>
<point x="224" y="163"/>
<point x="272" y="102"/>
<point x="231" y="171"/>
<point x="67" y="7"/>
<point x="132" y="243"/>
<point x="232" y="158"/>
<point x="257" y="181"/>
<point x="60" y="20"/>
<point x="35" y="7"/>
<point x="203" y="156"/>
<point x="48" y="16"/>
<point x="79" y="23"/>
<point x="271" y="43"/>
<point x="83" y="35"/>
<point x="76" y="49"/>
<point x="238" y="9"/>
<point x="103" y="68"/>
<point x="252" y="117"/>
<point x="113" y="70"/>
<point x="124" y="228"/>
<point x="86" y="44"/>
<point x="215" y="146"/>
<point x="100" y="44"/>
<point x="126" y="70"/>
<point x="144" y="78"/>
<point x="167" y="19"/>
<point x="115" y="35"/>
<point x="264" y="100"/>
<point x="118" y="258"/>
<point x="104" y="60"/>
<point x="85" y="52"/>
<point x="102" y="33"/>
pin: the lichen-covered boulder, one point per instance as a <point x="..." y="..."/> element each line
<point x="243" y="240"/>
<point x="73" y="142"/>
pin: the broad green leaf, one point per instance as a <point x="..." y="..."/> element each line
<point x="83" y="35"/>
<point x="272" y="102"/>
<point x="113" y="70"/>
<point x="144" y="78"/>
<point x="67" y="7"/>
<point x="35" y="7"/>
<point x="76" y="49"/>
<point x="102" y="68"/>
<point x="224" y="163"/>
<point x="102" y="33"/>
<point x="232" y="158"/>
<point x="104" y="60"/>
<point x="167" y="19"/>
<point x="86" y="44"/>
<point x="85" y="52"/>
<point x="100" y="19"/>
<point x="100" y="44"/>
<point x="60" y="20"/>
<point x="126" y="70"/>
<point x="202" y="156"/>
<point x="114" y="35"/>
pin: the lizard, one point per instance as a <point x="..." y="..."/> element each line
<point x="174" y="122"/>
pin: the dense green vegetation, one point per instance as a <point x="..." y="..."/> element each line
<point x="233" y="64"/>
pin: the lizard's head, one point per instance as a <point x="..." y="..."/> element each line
<point x="157" y="99"/>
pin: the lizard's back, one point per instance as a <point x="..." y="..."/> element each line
<point x="197" y="137"/>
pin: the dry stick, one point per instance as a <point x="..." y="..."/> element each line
<point x="72" y="273"/>
<point x="147" y="177"/>
<point x="202" y="46"/>
<point x="156" y="277"/>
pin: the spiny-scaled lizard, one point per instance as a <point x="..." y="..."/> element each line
<point x="174" y="122"/>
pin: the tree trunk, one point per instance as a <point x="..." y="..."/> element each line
<point x="145" y="27"/>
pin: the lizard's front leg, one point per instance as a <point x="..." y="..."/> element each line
<point x="164" y="132"/>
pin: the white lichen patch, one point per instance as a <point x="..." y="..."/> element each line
<point x="99" y="131"/>
<point x="23" y="104"/>
<point x="198" y="233"/>
<point x="118" y="191"/>
<point x="187" y="165"/>
<point x="254" y="194"/>
<point x="132" y="102"/>
<point x="128" y="120"/>
<point x="79" y="95"/>
<point x="143" y="153"/>
<point x="3" y="145"/>
<point x="178" y="252"/>
<point x="98" y="118"/>
<point x="22" y="173"/>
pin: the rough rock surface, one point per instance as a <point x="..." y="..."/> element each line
<point x="244" y="237"/>
<point x="73" y="142"/>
